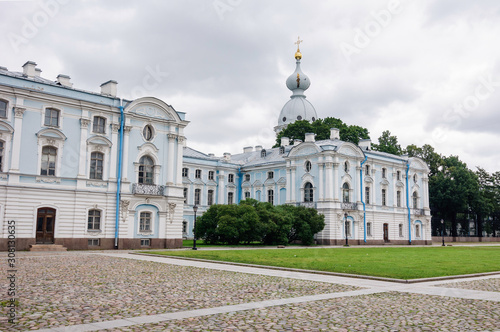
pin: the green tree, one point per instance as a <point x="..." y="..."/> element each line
<point x="388" y="143"/>
<point x="428" y="154"/>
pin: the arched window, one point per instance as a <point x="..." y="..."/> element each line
<point x="263" y="153"/>
<point x="94" y="220"/>
<point x="3" y="109"/>
<point x="49" y="158"/>
<point x="345" y="193"/>
<point x="96" y="165"/>
<point x="99" y="125"/>
<point x="415" y="200"/>
<point x="417" y="231"/>
<point x="146" y="167"/>
<point x="308" y="192"/>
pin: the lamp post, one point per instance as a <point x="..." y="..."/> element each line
<point x="345" y="229"/>
<point x="195" y="208"/>
<point x="442" y="231"/>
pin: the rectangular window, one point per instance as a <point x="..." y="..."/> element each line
<point x="145" y="242"/>
<point x="398" y="175"/>
<point x="367" y="170"/>
<point x="230" y="178"/>
<point x="49" y="158"/>
<point x="270" y="175"/>
<point x="400" y="230"/>
<point x="94" y="220"/>
<point x="384" y="202"/>
<point x="51" y="117"/>
<point x="3" y="109"/>
<point x="270" y="196"/>
<point x="210" y="197"/>
<point x="211" y="175"/>
<point x="197" y="174"/>
<point x="384" y="173"/>
<point x="185" y="195"/>
<point x="247" y="177"/>
<point x="96" y="165"/>
<point x="99" y="125"/>
<point x="145" y="222"/>
<point x="184" y="227"/>
<point x="247" y="194"/>
<point x="93" y="242"/>
<point x="398" y="198"/>
<point x="369" y="229"/>
<point x="197" y="198"/>
<point x="230" y="197"/>
<point x="185" y="172"/>
<point x="367" y="195"/>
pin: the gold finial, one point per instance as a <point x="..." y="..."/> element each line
<point x="298" y="55"/>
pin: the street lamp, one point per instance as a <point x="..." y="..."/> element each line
<point x="442" y="231"/>
<point x="345" y="229"/>
<point x="195" y="208"/>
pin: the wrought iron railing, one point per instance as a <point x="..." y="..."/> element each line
<point x="147" y="189"/>
<point x="418" y="212"/>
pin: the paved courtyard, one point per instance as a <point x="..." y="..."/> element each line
<point x="119" y="291"/>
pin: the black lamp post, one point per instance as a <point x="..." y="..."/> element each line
<point x="442" y="231"/>
<point x="345" y="229"/>
<point x="195" y="208"/>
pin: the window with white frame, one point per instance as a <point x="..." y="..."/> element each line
<point x="384" y="173"/>
<point x="384" y="198"/>
<point x="415" y="178"/>
<point x="51" y="117"/>
<point x="417" y="230"/>
<point x="197" y="196"/>
<point x="93" y="242"/>
<point x="184" y="227"/>
<point x="263" y="153"/>
<point x="185" y="195"/>
<point x="345" y="193"/>
<point x="308" y="192"/>
<point x="49" y="160"/>
<point x="398" y="175"/>
<point x="270" y="196"/>
<point x="347" y="226"/>
<point x="398" y="198"/>
<point x="2" y="147"/>
<point x="415" y="200"/>
<point x="210" y="197"/>
<point x="211" y="175"/>
<point x="145" y="242"/>
<point x="308" y="166"/>
<point x="247" y="177"/>
<point x="346" y="166"/>
<point x="230" y="198"/>
<point x="96" y="165"/>
<point x="99" y="125"/>
<point x="367" y="170"/>
<point x="146" y="170"/>
<point x="367" y="195"/>
<point x="247" y="194"/>
<point x="368" y="229"/>
<point x="400" y="230"/>
<point x="197" y="174"/>
<point x="185" y="172"/>
<point x="230" y="178"/>
<point x="3" y="109"/>
<point x="148" y="132"/>
<point x="145" y="222"/>
<point x="94" y="220"/>
<point x="270" y="175"/>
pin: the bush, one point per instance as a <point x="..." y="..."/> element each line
<point x="253" y="221"/>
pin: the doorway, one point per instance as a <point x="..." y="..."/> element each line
<point x="386" y="232"/>
<point x="45" y="222"/>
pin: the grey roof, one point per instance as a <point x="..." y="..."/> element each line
<point x="192" y="153"/>
<point x="254" y="158"/>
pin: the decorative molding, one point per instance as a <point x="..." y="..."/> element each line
<point x="19" y="111"/>
<point x="115" y="127"/>
<point x="3" y="176"/>
<point x="124" y="209"/>
<point x="127" y="129"/>
<point x="171" y="211"/>
<point x="47" y="179"/>
<point x="97" y="184"/>
<point x="84" y="123"/>
<point x="171" y="136"/>
<point x="181" y="139"/>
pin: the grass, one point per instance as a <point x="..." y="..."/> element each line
<point x="201" y="244"/>
<point x="396" y="262"/>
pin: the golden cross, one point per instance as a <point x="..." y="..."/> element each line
<point x="298" y="42"/>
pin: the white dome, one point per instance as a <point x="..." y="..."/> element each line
<point x="297" y="108"/>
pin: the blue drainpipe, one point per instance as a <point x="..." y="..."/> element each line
<point x="408" y="202"/>
<point x="362" y="200"/>
<point x="119" y="177"/>
<point x="240" y="175"/>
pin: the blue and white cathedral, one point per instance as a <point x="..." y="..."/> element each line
<point x="90" y="170"/>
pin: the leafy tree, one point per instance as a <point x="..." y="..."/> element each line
<point x="428" y="154"/>
<point x="321" y="127"/>
<point x="388" y="143"/>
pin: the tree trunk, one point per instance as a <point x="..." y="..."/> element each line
<point x="454" y="224"/>
<point x="479" y="225"/>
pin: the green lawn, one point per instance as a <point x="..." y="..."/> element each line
<point x="395" y="262"/>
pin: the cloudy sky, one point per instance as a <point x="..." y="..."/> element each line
<point x="428" y="71"/>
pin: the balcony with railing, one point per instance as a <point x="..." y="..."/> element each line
<point x="147" y="189"/>
<point x="418" y="212"/>
<point x="349" y="206"/>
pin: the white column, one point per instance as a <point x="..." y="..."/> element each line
<point x="321" y="184"/>
<point x="328" y="181"/>
<point x="125" y="161"/>
<point x="115" y="127"/>
<point x="171" y="159"/>
<point x="358" y="185"/>
<point x="180" y="154"/>
<point x="336" y="185"/>
<point x="221" y="198"/>
<point x="293" y="196"/>
<point x="16" y="142"/>
<point x="394" y="189"/>
<point x="84" y="128"/>
<point x="288" y="186"/>
<point x="425" y="182"/>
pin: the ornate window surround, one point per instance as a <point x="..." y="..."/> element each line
<point x="148" y="149"/>
<point x="50" y="137"/>
<point x="60" y="120"/>
<point x="6" y="133"/>
<point x="103" y="145"/>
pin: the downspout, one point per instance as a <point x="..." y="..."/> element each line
<point x="408" y="202"/>
<point x="239" y="184"/>
<point x="119" y="177"/>
<point x="362" y="200"/>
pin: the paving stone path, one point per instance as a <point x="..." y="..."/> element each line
<point x="118" y="291"/>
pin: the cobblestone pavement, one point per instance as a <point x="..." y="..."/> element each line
<point x="390" y="311"/>
<point x="116" y="291"/>
<point x="488" y="285"/>
<point x="84" y="288"/>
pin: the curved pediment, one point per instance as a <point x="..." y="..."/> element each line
<point x="51" y="133"/>
<point x="368" y="179"/>
<point x="5" y="127"/>
<point x="304" y="149"/>
<point x="384" y="182"/>
<point x="153" y="108"/>
<point x="148" y="146"/>
<point x="350" y="149"/>
<point x="99" y="140"/>
<point x="399" y="184"/>
<point x="418" y="163"/>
